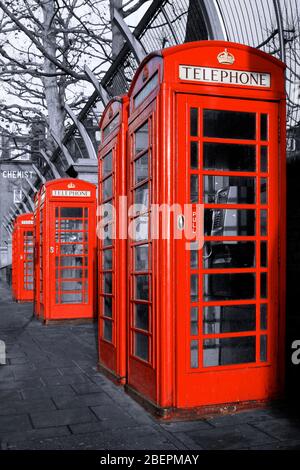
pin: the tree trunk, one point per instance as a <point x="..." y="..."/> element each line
<point x="54" y="99"/>
<point x="117" y="38"/>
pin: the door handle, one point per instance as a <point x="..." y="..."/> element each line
<point x="180" y="222"/>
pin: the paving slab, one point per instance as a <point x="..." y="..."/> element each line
<point x="61" y="417"/>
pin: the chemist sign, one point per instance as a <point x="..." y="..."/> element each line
<point x="17" y="174"/>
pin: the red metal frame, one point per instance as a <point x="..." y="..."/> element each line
<point x="22" y="258"/>
<point x="164" y="376"/>
<point x="36" y="302"/>
<point x="112" y="259"/>
<point x="67" y="248"/>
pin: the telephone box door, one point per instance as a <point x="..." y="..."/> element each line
<point x="27" y="262"/>
<point x="70" y="260"/>
<point x="227" y="288"/>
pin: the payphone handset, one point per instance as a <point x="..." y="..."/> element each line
<point x="224" y="221"/>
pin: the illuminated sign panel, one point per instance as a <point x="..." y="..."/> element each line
<point x="228" y="77"/>
<point x="68" y="193"/>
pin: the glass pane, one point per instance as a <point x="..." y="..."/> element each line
<point x="194" y="259"/>
<point x="194" y="354"/>
<point x="71" y="212"/>
<point x="263" y="317"/>
<point x="71" y="261"/>
<point x="194" y="121"/>
<point x="142" y="287"/>
<point x="141" y="346"/>
<point x="229" y="286"/>
<point x="229" y="124"/>
<point x="69" y="224"/>
<point x="73" y="273"/>
<point x="73" y="236"/>
<point x="263" y="348"/>
<point x="72" y="298"/>
<point x="107" y="235"/>
<point x="141" y="138"/>
<point x="194" y="155"/>
<point x="73" y="285"/>
<point x="141" y="196"/>
<point x="194" y="288"/>
<point x="263" y="222"/>
<point x="194" y="321"/>
<point x="107" y="283"/>
<point x="231" y="157"/>
<point x="229" y="319"/>
<point x="228" y="255"/>
<point x="107" y="330"/>
<point x="263" y="191"/>
<point x="141" y="168"/>
<point x="107" y="188"/>
<point x="111" y="126"/>
<point x="229" y="222"/>
<point x="141" y="228"/>
<point x="226" y="351"/>
<point x="194" y="188"/>
<point x="71" y="249"/>
<point x="146" y="90"/>
<point x="264" y="127"/>
<point x="263" y="254"/>
<point x="141" y="257"/>
<point x="264" y="159"/>
<point x="107" y="306"/>
<point x="107" y="259"/>
<point x="229" y="189"/>
<point x="107" y="165"/>
<point x="141" y="316"/>
<point x="263" y="286"/>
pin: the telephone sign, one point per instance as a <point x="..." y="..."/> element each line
<point x="231" y="77"/>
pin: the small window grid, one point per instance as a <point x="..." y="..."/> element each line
<point x="107" y="249"/>
<point x="141" y="321"/>
<point x="71" y="260"/>
<point x="202" y="341"/>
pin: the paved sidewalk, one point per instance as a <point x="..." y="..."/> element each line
<point x="52" y="397"/>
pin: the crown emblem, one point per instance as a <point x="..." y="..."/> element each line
<point x="71" y="185"/>
<point x="226" y="57"/>
<point x="145" y="73"/>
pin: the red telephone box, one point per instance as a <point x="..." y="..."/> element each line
<point x="14" y="261"/>
<point x="37" y="267"/>
<point x="67" y="241"/>
<point x="206" y="326"/>
<point x="22" y="258"/>
<point x="112" y="254"/>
